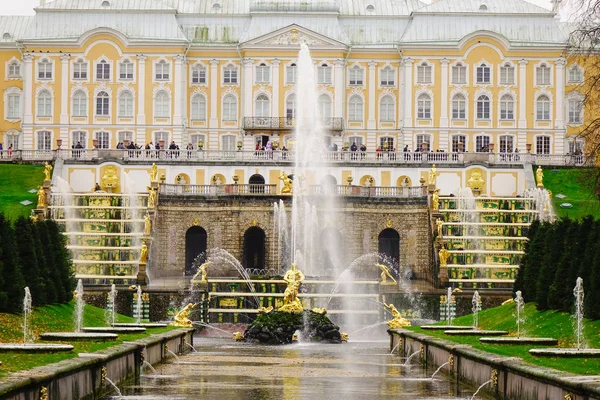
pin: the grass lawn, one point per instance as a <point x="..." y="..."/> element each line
<point x="579" y="187"/>
<point x="15" y="181"/>
<point x="57" y="318"/>
<point x="553" y="324"/>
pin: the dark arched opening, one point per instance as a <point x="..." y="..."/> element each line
<point x="257" y="183"/>
<point x="195" y="244"/>
<point x="389" y="247"/>
<point x="254" y="248"/>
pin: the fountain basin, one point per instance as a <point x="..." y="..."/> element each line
<point x="116" y="329"/>
<point x="474" y="332"/>
<point x="520" y="340"/>
<point x="444" y="327"/>
<point x="34" y="348"/>
<point x="78" y="336"/>
<point x="140" y="325"/>
<point x="566" y="353"/>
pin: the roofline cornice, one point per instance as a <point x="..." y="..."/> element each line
<point x="104" y="11"/>
<point x="550" y="14"/>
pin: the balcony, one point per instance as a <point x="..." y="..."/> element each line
<point x="283" y="123"/>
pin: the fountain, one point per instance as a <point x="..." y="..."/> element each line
<point x="439" y="369"/>
<point x="579" y="350"/>
<point x="476" y="307"/>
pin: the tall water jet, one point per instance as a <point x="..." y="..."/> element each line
<point x="520" y="305"/>
<point x="112" y="297"/>
<point x="578" y="317"/>
<point x="79" y="306"/>
<point x="27" y="337"/>
<point x="476" y="307"/>
<point x="449" y="316"/>
<point x="138" y="306"/>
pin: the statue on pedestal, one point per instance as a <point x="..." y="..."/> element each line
<point x="443" y="254"/>
<point x="202" y="272"/>
<point x="439" y="224"/>
<point x="287" y="183"/>
<point x="154" y="173"/>
<point x="143" y="253"/>
<point x="291" y="302"/>
<point x="539" y="175"/>
<point x="435" y="200"/>
<point x="397" y="321"/>
<point x="433" y="175"/>
<point x="41" y="197"/>
<point x="182" y="317"/>
<point x="47" y="171"/>
<point x="151" y="197"/>
<point x="385" y="273"/>
<point x="147" y="225"/>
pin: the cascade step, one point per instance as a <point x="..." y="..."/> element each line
<point x="76" y="247"/>
<point x="135" y="262"/>
<point x="481" y="280"/>
<point x="482" y="266"/>
<point x="300" y="295"/>
<point x="487" y="252"/>
<point x="496" y="238"/>
<point x="306" y="281"/>
<point x="255" y="311"/>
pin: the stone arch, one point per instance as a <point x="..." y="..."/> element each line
<point x="257" y="182"/>
<point x="196" y="240"/>
<point x="254" y="256"/>
<point x="388" y="247"/>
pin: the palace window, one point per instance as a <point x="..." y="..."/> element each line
<point x="324" y="105"/>
<point x="575" y="146"/>
<point x="507" y="107"/>
<point x="162" y="105"/>
<point x="290" y="73"/>
<point x="199" y="108"/>
<point x="459" y="74"/>
<point x="459" y="143"/>
<point x="482" y="143"/>
<point x="424" y="106"/>
<point x="44" y="140"/>
<point x="424" y="73"/>
<point x="459" y="106"/>
<point x="162" y="71"/>
<point x="483" y="74"/>
<point x="575" y="75"/>
<point x="483" y="107"/>
<point x="356" y="76"/>
<point x="79" y="137"/>
<point x="290" y="106"/>
<point x="164" y="136"/>
<point x="386" y="109"/>
<point x="386" y="143"/>
<point x="542" y="75"/>
<point x="103" y="71"/>
<point x="355" y="109"/>
<point x="198" y="74"/>
<point x="262" y="106"/>
<point x="79" y="104"/>
<point x="542" y="105"/>
<point x="44" y="69"/>
<point x="228" y="142"/>
<point x="423" y="142"/>
<point x="13" y="106"/>
<point x="356" y="139"/>
<point x="12" y="140"/>
<point x="229" y="108"/>
<point x="387" y="77"/>
<point x="80" y="70"/>
<point x="126" y="104"/>
<point x="14" y="69"/>
<point x="102" y="104"/>
<point x="507" y="74"/>
<point x="44" y="104"/>
<point x="263" y="73"/>
<point x="324" y="74"/>
<point x="230" y="75"/>
<point x="575" y="111"/>
<point x="196" y="138"/>
<point x="507" y="144"/>
<point x="103" y="139"/>
<point x="125" y="136"/>
<point x="542" y="144"/>
<point x="126" y="70"/>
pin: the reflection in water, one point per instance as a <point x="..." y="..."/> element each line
<point x="356" y="370"/>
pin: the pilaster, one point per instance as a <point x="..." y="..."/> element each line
<point x="141" y="92"/>
<point x="28" y="89"/>
<point x="408" y="88"/>
<point x="444" y="98"/>
<point x="559" y="122"/>
<point x="178" y="95"/>
<point x="214" y="102"/>
<point x="64" y="91"/>
<point x="522" y="124"/>
<point x="247" y="88"/>
<point x="275" y="86"/>
<point x="371" y="122"/>
<point x="338" y="88"/>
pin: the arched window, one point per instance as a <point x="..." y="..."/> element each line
<point x="575" y="75"/>
<point x="44" y="104"/>
<point x="324" y="74"/>
<point x="290" y="106"/>
<point x="459" y="106"/>
<point x="506" y="143"/>
<point x="12" y="139"/>
<point x="386" y="109"/>
<point x="542" y="105"/>
<point x="575" y="107"/>
<point x="423" y="73"/>
<point x="483" y="107"/>
<point x="162" y="71"/>
<point x="542" y="75"/>
<point x="198" y="108"/>
<point x="126" y="104"/>
<point x="14" y="69"/>
<point x="507" y="107"/>
<point x="355" y="108"/>
<point x="195" y="246"/>
<point x="126" y="70"/>
<point x="263" y="106"/>
<point x="483" y="73"/>
<point x="424" y="106"/>
<point x="198" y="74"/>
<point x="324" y="103"/>
<point x="459" y="143"/>
<point x="262" y="73"/>
<point x="79" y="104"/>
<point x="13" y="104"/>
<point x="507" y="74"/>
<point x="229" y="108"/>
<point x="162" y="106"/>
<point x="290" y="73"/>
<point x="102" y="104"/>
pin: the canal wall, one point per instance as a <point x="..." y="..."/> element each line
<point x="510" y="377"/>
<point x="85" y="377"/>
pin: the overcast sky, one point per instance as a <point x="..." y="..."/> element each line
<point x="25" y="7"/>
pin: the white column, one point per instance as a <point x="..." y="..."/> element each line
<point x="178" y="95"/>
<point x="141" y="97"/>
<point x="247" y="88"/>
<point x="522" y="123"/>
<point x="400" y="100"/>
<point x="275" y="85"/>
<point x="64" y="90"/>
<point x="213" y="101"/>
<point x="338" y="88"/>
<point x="560" y="94"/>
<point x="371" y="124"/>
<point x="28" y="140"/>
<point x="408" y="87"/>
<point x="444" y="96"/>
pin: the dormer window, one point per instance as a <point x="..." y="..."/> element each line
<point x="216" y="7"/>
<point x="105" y="4"/>
<point x="483" y="8"/>
<point x="6" y="36"/>
<point x="370" y="8"/>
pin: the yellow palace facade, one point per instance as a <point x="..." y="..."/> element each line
<point x="455" y="75"/>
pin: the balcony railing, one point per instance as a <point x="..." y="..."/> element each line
<point x="369" y="191"/>
<point x="276" y="123"/>
<point x="218" y="190"/>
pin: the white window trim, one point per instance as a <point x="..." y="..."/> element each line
<point x="499" y="106"/>
<point x="13" y="90"/>
<point x="120" y="134"/>
<point x="575" y="96"/>
<point x="203" y="117"/>
<point x="432" y="105"/>
<point x="52" y="69"/>
<point x="450" y="111"/>
<point x="52" y="103"/>
<point x="394" y="107"/>
<point x="110" y="138"/>
<point x="416" y="72"/>
<point x="72" y="71"/>
<point x="13" y="133"/>
<point x="111" y="70"/>
<point x="170" y="103"/>
<point x="87" y="99"/>
<point x="237" y="107"/>
<point x="331" y="104"/>
<point x="451" y="140"/>
<point x="36" y="138"/>
<point x="466" y="66"/>
<point x="490" y="66"/>
<point x="429" y="140"/>
<point x="228" y="65"/>
<point x="118" y="72"/>
<point x="119" y="94"/>
<point x="476" y="99"/>
<point x="535" y="69"/>
<point x="285" y="78"/>
<point x="222" y="141"/>
<point x="154" y="69"/>
<point x="551" y="146"/>
<point x="362" y="116"/>
<point x="195" y="137"/>
<point x="72" y="142"/>
<point x="268" y="69"/>
<point x="581" y="73"/>
<point x="356" y="67"/>
<point x="476" y="135"/>
<point x="535" y="106"/>
<point x="515" y="72"/>
<point x="394" y="72"/>
<point x="331" y="72"/>
<point x="514" y="141"/>
<point x="199" y="64"/>
<point x="8" y="64"/>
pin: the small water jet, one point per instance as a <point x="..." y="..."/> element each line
<point x="439" y="369"/>
<point x="481" y="387"/>
<point x="112" y="297"/>
<point x="578" y="293"/>
<point x="410" y="357"/>
<point x="80" y="304"/>
<point x="476" y="307"/>
<point x="113" y="386"/>
<point x="191" y="347"/>
<point x="27" y="336"/>
<point x="147" y="364"/>
<point x="173" y="354"/>
<point x="138" y="307"/>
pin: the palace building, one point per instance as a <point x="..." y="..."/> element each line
<point x="454" y="75"/>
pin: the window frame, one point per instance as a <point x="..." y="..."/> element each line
<point x="198" y="108"/>
<point x="124" y="65"/>
<point x="291" y="72"/>
<point x="229" y="109"/>
<point x="356" y="76"/>
<point x="387" y="111"/>
<point x="356" y="109"/>
<point x="461" y="105"/>
<point x="575" y="106"/>
<point x="574" y="80"/>
<point x="387" y="76"/>
<point x="102" y="99"/>
<point x="546" y="146"/>
<point x="230" y="74"/>
<point x="262" y="74"/>
<point x="45" y="70"/>
<point x="11" y="113"/>
<point x="162" y="104"/>
<point x="103" y="139"/>
<point x="543" y="108"/>
<point x="43" y="140"/>
<point x="424" y="106"/>
<point x="290" y="112"/>
<point x="481" y="142"/>
<point x="504" y="74"/>
<point x="10" y="70"/>
<point x="323" y="105"/>
<point x="77" y="106"/>
<point x="506" y="143"/>
<point x="324" y="75"/>
<point x="483" y="107"/>
<point x="126" y="104"/>
<point x="454" y="142"/>
<point x="483" y="73"/>
<point x="199" y="75"/>
<point x="543" y="74"/>
<point x="162" y="71"/>
<point x="46" y="104"/>
<point x="103" y="71"/>
<point x="424" y="73"/>
<point x="80" y="70"/>
<point x="507" y="107"/>
<point x="459" y="68"/>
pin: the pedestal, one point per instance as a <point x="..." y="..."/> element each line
<point x="142" y="276"/>
<point x="40" y="213"/>
<point x="431" y="189"/>
<point x="47" y="183"/>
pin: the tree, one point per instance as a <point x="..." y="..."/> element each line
<point x="520" y="282"/>
<point x="553" y="247"/>
<point x="45" y="258"/>
<point x="592" y="287"/>
<point x="560" y="294"/>
<point x="28" y="259"/>
<point x="13" y="282"/>
<point x="63" y="263"/>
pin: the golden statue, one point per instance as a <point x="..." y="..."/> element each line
<point x="476" y="181"/>
<point x="110" y="178"/>
<point x="41" y="197"/>
<point x="397" y="321"/>
<point x="154" y="173"/>
<point x="47" y="171"/>
<point x="439" y="224"/>
<point x="435" y="200"/>
<point x="181" y="318"/>
<point x="265" y="310"/>
<point x="151" y="197"/>
<point x="287" y="183"/>
<point x="344" y="336"/>
<point x="238" y="336"/>
<point x="443" y="254"/>
<point x="539" y="175"/>
<point x="147" y="225"/>
<point x="143" y="253"/>
<point x="385" y="273"/>
<point x="432" y="175"/>
<point x="291" y="302"/>
<point x="202" y="272"/>
<point x="321" y="311"/>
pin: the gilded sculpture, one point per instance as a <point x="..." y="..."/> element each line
<point x="151" y="197"/>
<point x="539" y="175"/>
<point x="287" y="183"/>
<point x="386" y="273"/>
<point x="143" y="253"/>
<point x="202" y="272"/>
<point x="476" y="181"/>
<point x="238" y="336"/>
<point x="265" y="310"/>
<point x="439" y="224"/>
<point x="181" y="319"/>
<point x="397" y="321"/>
<point x="433" y="174"/>
<point x="110" y="179"/>
<point x="154" y="173"/>
<point x="291" y="303"/>
<point x="47" y="171"/>
<point x="344" y="337"/>
<point x="321" y="311"/>
<point x="41" y="197"/>
<point x="443" y="254"/>
<point x="147" y="225"/>
<point x="435" y="200"/>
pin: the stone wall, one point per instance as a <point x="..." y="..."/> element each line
<point x="360" y="221"/>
